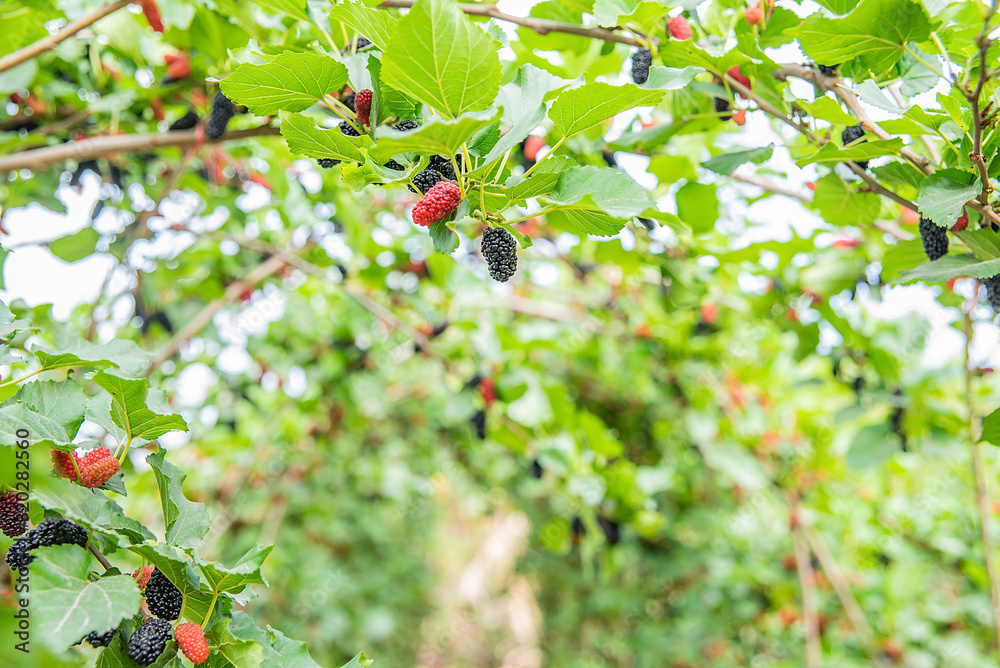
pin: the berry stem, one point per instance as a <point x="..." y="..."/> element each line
<point x="458" y="177"/>
<point x="25" y="377"/>
<point x="553" y="150"/>
<point x="211" y="607"/>
<point x="530" y="216"/>
<point x="341" y="110"/>
<point x="121" y="459"/>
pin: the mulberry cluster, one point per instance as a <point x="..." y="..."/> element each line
<point x="851" y="134"/>
<point x="13" y="515"/>
<point x="327" y="163"/>
<point x="641" y="60"/>
<point x="49" y="532"/>
<point x="223" y="109"/>
<point x="148" y="642"/>
<point x="163" y="599"/>
<point x="679" y="28"/>
<point x="500" y="252"/>
<point x="425" y="180"/>
<point x="934" y="238"/>
<point x="96" y="639"/>
<point x="404" y="126"/>
<point x="185" y="122"/>
<point x="993" y="292"/>
<point x="443" y="166"/>
<point x="440" y="201"/>
<point x="348" y="129"/>
<point x="363" y="106"/>
<point x="95" y="468"/>
<point x="191" y="640"/>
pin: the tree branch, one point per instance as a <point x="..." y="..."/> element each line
<point x="976" y="156"/>
<point x="87" y="149"/>
<point x="984" y="504"/>
<point x="810" y="614"/>
<point x="100" y="557"/>
<point x="41" y="46"/>
<point x="541" y="26"/>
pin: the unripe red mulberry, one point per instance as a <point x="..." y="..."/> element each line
<point x="679" y="28"/>
<point x="363" y="106"/>
<point x="191" y="640"/>
<point x="740" y="116"/>
<point x="440" y="201"/>
<point x="735" y="74"/>
<point x="97" y="467"/>
<point x="754" y="15"/>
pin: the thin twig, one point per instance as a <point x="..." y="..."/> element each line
<point x="984" y="503"/>
<point x="541" y="26"/>
<point x="844" y="592"/>
<point x="810" y="614"/>
<point x="976" y="155"/>
<point x="88" y="149"/>
<point x="932" y="151"/>
<point x="100" y="557"/>
<point x="49" y="42"/>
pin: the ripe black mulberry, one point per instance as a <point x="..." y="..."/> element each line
<point x="425" y="180"/>
<point x="223" y="109"/>
<point x="500" y="252"/>
<point x="148" y="642"/>
<point x="162" y="598"/>
<point x="185" y="122"/>
<point x="641" y="60"/>
<point x="13" y="515"/>
<point x="934" y="238"/>
<point x="851" y="134"/>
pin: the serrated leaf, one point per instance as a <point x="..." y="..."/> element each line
<point x="727" y="163"/>
<point x="943" y="195"/>
<point x="291" y="82"/>
<point x="983" y="243"/>
<point x="840" y="203"/>
<point x="233" y="580"/>
<point x="612" y="190"/>
<point x="64" y="402"/>
<point x="826" y="109"/>
<point x="75" y="246"/>
<point x="120" y="353"/>
<point x="444" y="238"/>
<point x="91" y="509"/>
<point x="294" y="8"/>
<point x="875" y="32"/>
<point x="129" y="410"/>
<point x="441" y="59"/>
<point x="18" y="416"/>
<point x="869" y="92"/>
<point x="541" y="181"/>
<point x="830" y="152"/>
<point x="523" y="103"/>
<point x="304" y="138"/>
<point x="437" y="137"/>
<point x="66" y="606"/>
<point x="295" y="654"/>
<point x="671" y="78"/>
<point x="951" y="266"/>
<point x="483" y="141"/>
<point x="186" y="522"/>
<point x="586" y="219"/>
<point x="581" y="108"/>
<point x="374" y="24"/>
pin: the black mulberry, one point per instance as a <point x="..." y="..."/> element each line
<point x="425" y="180"/>
<point x="327" y="163"/>
<point x="851" y="134"/>
<point x="348" y="129"/>
<point x="405" y="126"/>
<point x="611" y="529"/>
<point x="148" y="642"/>
<point x="828" y="70"/>
<point x="97" y="639"/>
<point x="162" y="598"/>
<point x="13" y="515"/>
<point x="993" y="292"/>
<point x="349" y="100"/>
<point x="362" y="43"/>
<point x="49" y="532"/>
<point x="500" y="251"/>
<point x="223" y="109"/>
<point x="443" y="166"/>
<point x="722" y="107"/>
<point x="185" y="122"/>
<point x="479" y="424"/>
<point x="393" y="165"/>
<point x="934" y="238"/>
<point x="641" y="60"/>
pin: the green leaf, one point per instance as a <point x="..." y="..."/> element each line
<point x="186" y="522"/>
<point x="951" y="266"/>
<point x="586" y="219"/>
<point x="541" y="181"/>
<point x="727" y="163"/>
<point x="62" y="402"/>
<point x="182" y="571"/>
<point x="869" y="92"/>
<point x="581" y="108"/>
<point x="75" y="246"/>
<point x="483" y="141"/>
<point x="437" y="137"/>
<point x="991" y="428"/>
<point x="120" y="353"/>
<point x="841" y="203"/>
<point x="875" y="33"/>
<point x="826" y="109"/>
<point x="984" y="243"/>
<point x="444" y="238"/>
<point x="612" y="190"/>
<point x="66" y="606"/>
<point x="830" y="152"/>
<point x="290" y="82"/>
<point x="671" y="78"/>
<point x="944" y="194"/>
<point x="235" y="579"/>
<point x="441" y="59"/>
<point x="360" y="661"/>
<point x="304" y="138"/>
<point x="18" y="416"/>
<point x="90" y="508"/>
<point x="698" y="206"/>
<point x="871" y="446"/>
<point x="129" y="410"/>
<point x="376" y="25"/>
<point x="294" y="8"/>
<point x="523" y="102"/>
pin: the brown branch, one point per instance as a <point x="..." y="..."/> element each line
<point x="541" y="26"/>
<point x="810" y="613"/>
<point x="985" y="506"/>
<point x="774" y="186"/>
<point x="844" y="592"/>
<point x="205" y="315"/>
<point x="100" y="557"/>
<point x="976" y="156"/>
<point x="87" y="149"/>
<point x="49" y="42"/>
<point x="770" y="110"/>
